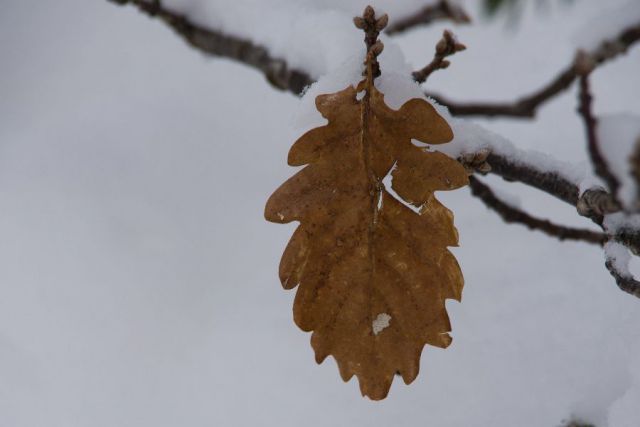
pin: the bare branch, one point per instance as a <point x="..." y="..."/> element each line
<point x="526" y="106"/>
<point x="446" y="46"/>
<point x="635" y="169"/>
<point x="442" y="9"/>
<point x="599" y="165"/>
<point x="212" y="42"/>
<point x="511" y="214"/>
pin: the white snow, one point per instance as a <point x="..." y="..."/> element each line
<point x="395" y="83"/>
<point x="380" y="323"/>
<point x="625" y="411"/>
<point x="314" y="36"/>
<point x="620" y="221"/>
<point x="619" y="257"/>
<point x="607" y="24"/>
<point x="139" y="281"/>
<point x="618" y="138"/>
<point x="509" y="198"/>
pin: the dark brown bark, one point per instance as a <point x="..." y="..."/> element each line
<point x="217" y="43"/>
<point x="438" y="11"/>
<point x="527" y="106"/>
<point x="511" y="214"/>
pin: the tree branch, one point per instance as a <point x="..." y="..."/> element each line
<point x="594" y="203"/>
<point x="511" y="214"/>
<point x="280" y="75"/>
<point x="526" y="106"/>
<point x="550" y="182"/>
<point x="447" y="46"/>
<point x="276" y="70"/>
<point x="442" y="9"/>
<point x="212" y="42"/>
<point x="599" y="165"/>
<point x="625" y="281"/>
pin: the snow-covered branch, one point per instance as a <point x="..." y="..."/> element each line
<point x="617" y="262"/>
<point x="527" y="106"/>
<point x="218" y="43"/>
<point x="480" y="150"/>
<point x="283" y="76"/>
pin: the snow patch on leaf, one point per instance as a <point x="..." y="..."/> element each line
<point x="380" y="323"/>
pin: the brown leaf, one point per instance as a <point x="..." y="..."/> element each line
<point x="372" y="273"/>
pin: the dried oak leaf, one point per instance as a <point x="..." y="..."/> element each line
<point x="373" y="273"/>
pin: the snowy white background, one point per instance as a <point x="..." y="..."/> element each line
<point x="138" y="279"/>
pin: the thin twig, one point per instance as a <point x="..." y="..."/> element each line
<point x="446" y="46"/>
<point x="635" y="171"/>
<point x="442" y="9"/>
<point x="599" y="164"/>
<point x="511" y="214"/>
<point x="526" y="106"/>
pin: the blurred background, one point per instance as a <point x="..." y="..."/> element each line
<point x="138" y="278"/>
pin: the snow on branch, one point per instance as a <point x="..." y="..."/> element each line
<point x="487" y="152"/>
<point x="526" y="106"/>
<point x="478" y="149"/>
<point x="217" y="43"/>
<point x="285" y="77"/>
<point x="617" y="262"/>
